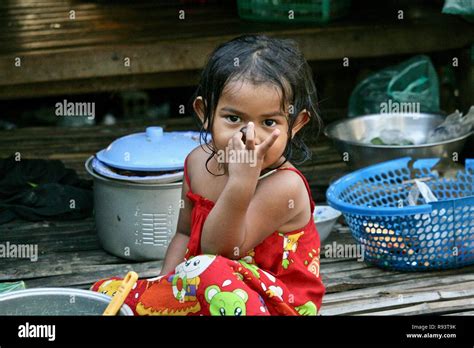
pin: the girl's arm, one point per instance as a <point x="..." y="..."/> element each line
<point x="175" y="253"/>
<point x="241" y="220"/>
<point x="177" y="247"/>
<point x="244" y="216"/>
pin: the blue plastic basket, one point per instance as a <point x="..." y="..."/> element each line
<point x="438" y="235"/>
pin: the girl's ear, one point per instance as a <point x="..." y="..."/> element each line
<point x="302" y="118"/>
<point x="198" y="106"/>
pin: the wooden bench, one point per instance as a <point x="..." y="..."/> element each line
<point x="60" y="55"/>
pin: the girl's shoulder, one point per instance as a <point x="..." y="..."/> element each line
<point x="285" y="180"/>
<point x="289" y="186"/>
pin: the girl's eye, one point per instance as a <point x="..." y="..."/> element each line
<point x="269" y="123"/>
<point x="233" y="118"/>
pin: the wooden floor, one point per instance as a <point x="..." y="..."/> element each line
<point x="82" y="46"/>
<point x="70" y="254"/>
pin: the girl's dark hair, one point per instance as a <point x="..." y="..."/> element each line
<point x="260" y="59"/>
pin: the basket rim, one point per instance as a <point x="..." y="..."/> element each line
<point x="347" y="208"/>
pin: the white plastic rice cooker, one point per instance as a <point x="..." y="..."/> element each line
<point x="136" y="217"/>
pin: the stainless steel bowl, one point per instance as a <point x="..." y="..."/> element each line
<point x="349" y="134"/>
<point x="56" y="301"/>
<point x="325" y="218"/>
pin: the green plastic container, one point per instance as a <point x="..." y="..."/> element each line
<point x="8" y="287"/>
<point x="301" y="11"/>
<point x="464" y="8"/>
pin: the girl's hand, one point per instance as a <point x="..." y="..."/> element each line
<point x="248" y="158"/>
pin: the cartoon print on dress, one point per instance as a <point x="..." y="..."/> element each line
<point x="110" y="287"/>
<point x="273" y="291"/>
<point x="186" y="279"/>
<point x="238" y="275"/>
<point x="263" y="307"/>
<point x="249" y="257"/>
<point x="160" y="300"/>
<point x="225" y="302"/>
<point x="309" y="308"/>
<point x="313" y="266"/>
<point x="269" y="276"/>
<point x="290" y="244"/>
<point x="252" y="268"/>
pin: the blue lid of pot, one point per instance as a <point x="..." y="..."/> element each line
<point x="153" y="150"/>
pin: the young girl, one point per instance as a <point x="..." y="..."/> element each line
<point x="246" y="232"/>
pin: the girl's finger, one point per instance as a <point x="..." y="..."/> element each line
<point x="237" y="141"/>
<point x="250" y="135"/>
<point x="267" y="144"/>
<point x="230" y="143"/>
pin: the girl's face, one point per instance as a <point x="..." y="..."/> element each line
<point x="244" y="102"/>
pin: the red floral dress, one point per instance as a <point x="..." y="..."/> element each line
<point x="280" y="276"/>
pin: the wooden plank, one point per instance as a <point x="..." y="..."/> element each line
<point x="375" y="304"/>
<point x="398" y="288"/>
<point x="32" y="3"/>
<point x="59" y="244"/>
<point x="50" y="236"/>
<point x="55" y="31"/>
<point x="190" y="54"/>
<point x="65" y="263"/>
<point x="20" y="229"/>
<point x="45" y="238"/>
<point x="371" y="279"/>
<point x="344" y="267"/>
<point x="98" y="131"/>
<point x="444" y="307"/>
<point x="124" y="21"/>
<point x="25" y="228"/>
<point x="184" y="78"/>
<point x="86" y="279"/>
<point x="463" y="313"/>
<point x="404" y="300"/>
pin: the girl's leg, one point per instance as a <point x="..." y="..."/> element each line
<point x="203" y="285"/>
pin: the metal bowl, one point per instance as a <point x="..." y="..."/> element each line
<point x="56" y="301"/>
<point x="349" y="134"/>
<point x="325" y="218"/>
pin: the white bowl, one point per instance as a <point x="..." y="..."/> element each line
<point x="325" y="217"/>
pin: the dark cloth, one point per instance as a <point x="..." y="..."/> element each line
<point x="36" y="189"/>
